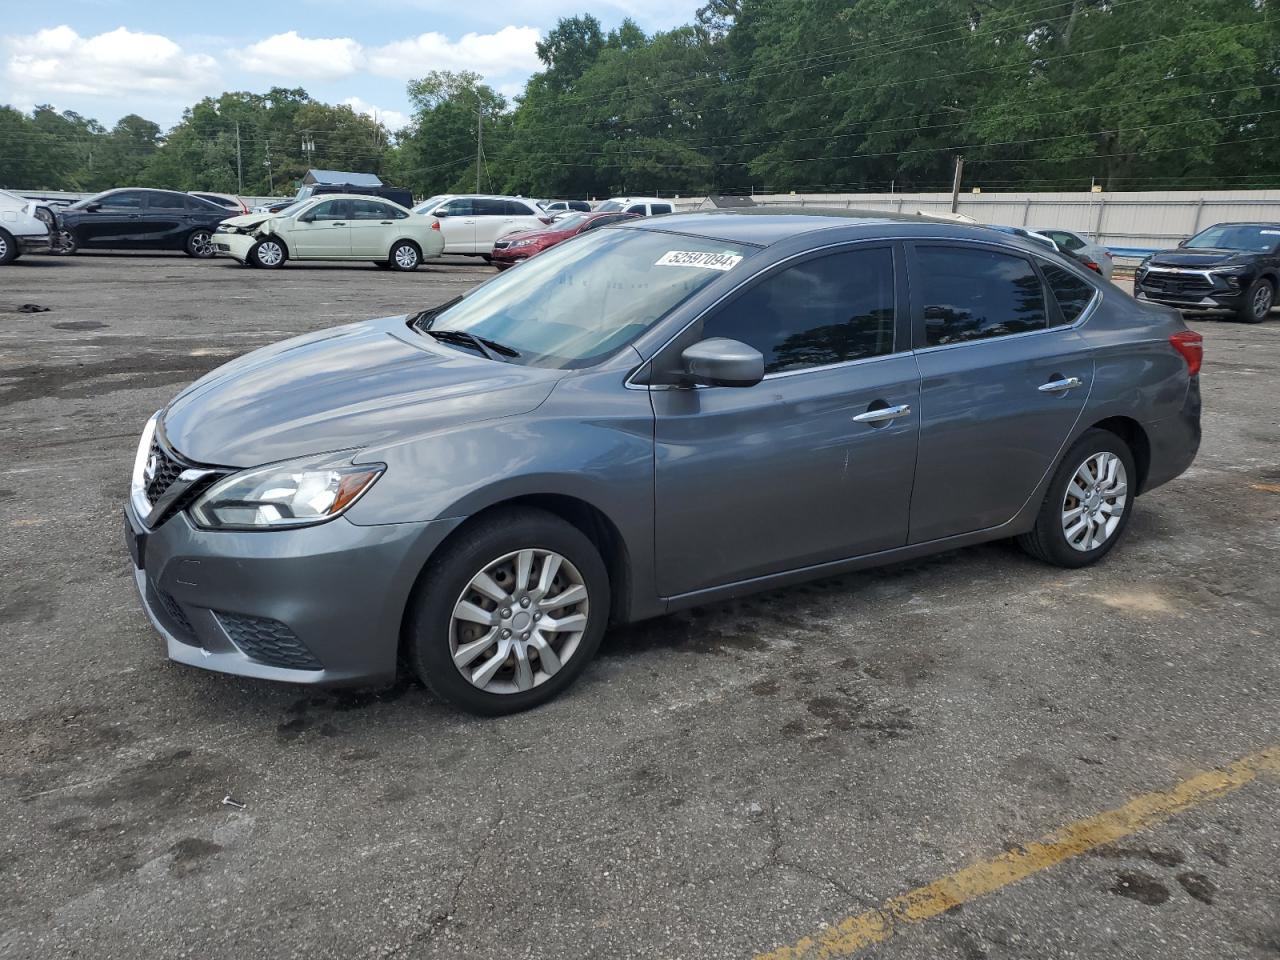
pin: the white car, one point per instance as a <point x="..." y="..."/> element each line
<point x="471" y="222"/>
<point x="1083" y="246"/>
<point x="645" y="206"/>
<point x="332" y="227"/>
<point x="21" y="231"/>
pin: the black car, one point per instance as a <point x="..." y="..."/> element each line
<point x="1229" y="266"/>
<point x="140" y="219"/>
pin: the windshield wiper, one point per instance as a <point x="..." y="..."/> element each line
<point x="490" y="348"/>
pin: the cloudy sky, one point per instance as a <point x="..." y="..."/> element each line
<point x="107" y="58"/>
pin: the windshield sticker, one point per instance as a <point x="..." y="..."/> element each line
<point x="707" y="261"/>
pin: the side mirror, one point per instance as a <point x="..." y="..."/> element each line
<point x="1182" y="243"/>
<point x="93" y="207"/>
<point x="438" y="214"/>
<point x="307" y="218"/>
<point x="720" y="362"/>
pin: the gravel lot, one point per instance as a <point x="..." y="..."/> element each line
<point x="719" y="783"/>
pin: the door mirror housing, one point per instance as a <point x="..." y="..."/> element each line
<point x="439" y="213"/>
<point x="720" y="362"/>
<point x="93" y="207"/>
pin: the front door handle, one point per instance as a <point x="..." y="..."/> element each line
<point x="1060" y="386"/>
<point x="881" y="414"/>
<point x="339" y="223"/>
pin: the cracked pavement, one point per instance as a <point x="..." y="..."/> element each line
<point x="720" y="782"/>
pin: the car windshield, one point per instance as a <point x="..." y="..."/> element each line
<point x="426" y="206"/>
<point x="583" y="299"/>
<point x="292" y="208"/>
<point x="609" y="206"/>
<point x="569" y="221"/>
<point x="1250" y="237"/>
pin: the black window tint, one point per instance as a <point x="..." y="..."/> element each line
<point x="635" y="208"/>
<point x="975" y="294"/>
<point x="462" y="207"/>
<point x="514" y="208"/>
<point x="484" y="207"/>
<point x="369" y="210"/>
<point x="125" y="200"/>
<point x="660" y="208"/>
<point x="1072" y="293"/>
<point x="827" y="310"/>
<point x="166" y="201"/>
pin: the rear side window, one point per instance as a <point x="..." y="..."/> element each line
<point x="657" y="208"/>
<point x="1072" y="293"/>
<point x="484" y="207"/>
<point x="634" y="208"/>
<point x="370" y="210"/>
<point x="514" y="208"/>
<point x="827" y="310"/>
<point x="973" y="294"/>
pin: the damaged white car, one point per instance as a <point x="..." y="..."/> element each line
<point x="332" y="227"/>
<point x="22" y="229"/>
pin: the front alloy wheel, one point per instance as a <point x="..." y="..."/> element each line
<point x="1258" y="301"/>
<point x="267" y="253"/>
<point x="509" y="611"/>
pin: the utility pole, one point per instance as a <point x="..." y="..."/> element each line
<point x="271" y="183"/>
<point x="955" y="185"/>
<point x="239" y="165"/>
<point x="479" y="140"/>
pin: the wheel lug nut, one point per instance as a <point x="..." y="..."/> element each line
<point x="506" y="612"/>
<point x="524" y="636"/>
<point x="505" y="634"/>
<point x="537" y="616"/>
<point x="524" y="601"/>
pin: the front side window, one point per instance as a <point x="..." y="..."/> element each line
<point x="329" y="210"/>
<point x="1072" y="293"/>
<point x="461" y="207"/>
<point x="972" y="294"/>
<point x="635" y="208"/>
<point x="831" y="309"/>
<point x="587" y="297"/>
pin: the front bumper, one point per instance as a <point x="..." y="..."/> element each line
<point x="1192" y="290"/>
<point x="316" y="605"/>
<point x="34" y="244"/>
<point x="235" y="245"/>
<point x="509" y="257"/>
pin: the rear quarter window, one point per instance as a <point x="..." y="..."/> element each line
<point x="1072" y="293"/>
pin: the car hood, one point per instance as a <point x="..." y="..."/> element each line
<point x="347" y="387"/>
<point x="1199" y="259"/>
<point x="535" y="235"/>
<point x="247" y="221"/>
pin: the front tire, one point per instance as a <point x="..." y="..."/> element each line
<point x="200" y="244"/>
<point x="1088" y="504"/>
<point x="1258" y="301"/>
<point x="66" y="244"/>
<point x="405" y="256"/>
<point x="268" y="254"/>
<point x="8" y="247"/>
<point x="509" y="613"/>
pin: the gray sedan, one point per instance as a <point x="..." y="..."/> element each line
<point x="648" y="417"/>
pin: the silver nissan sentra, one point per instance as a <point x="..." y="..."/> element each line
<point x="645" y="418"/>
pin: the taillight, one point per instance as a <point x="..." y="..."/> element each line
<point x="1093" y="266"/>
<point x="1191" y="345"/>
<point x="435" y="224"/>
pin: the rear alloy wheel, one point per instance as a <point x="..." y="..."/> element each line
<point x="1088" y="504"/>
<point x="1258" y="301"/>
<point x="8" y="248"/>
<point x="405" y="256"/>
<point x="509" y="613"/>
<point x="200" y="244"/>
<point x="268" y="253"/>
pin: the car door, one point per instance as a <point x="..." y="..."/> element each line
<point x="165" y="220"/>
<point x="115" y="223"/>
<point x="458" y="224"/>
<point x="372" y="227"/>
<point x="492" y="221"/>
<point x="1003" y="380"/>
<point x="321" y="232"/>
<point x="815" y="462"/>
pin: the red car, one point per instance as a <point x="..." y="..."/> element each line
<point x="519" y="246"/>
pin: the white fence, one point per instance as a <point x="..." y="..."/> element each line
<point x="1128" y="223"/>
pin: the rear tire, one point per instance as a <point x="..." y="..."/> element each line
<point x="8" y="247"/>
<point x="200" y="244"/>
<point x="1258" y="301"/>
<point x="67" y="244"/>
<point x="1077" y="530"/>
<point x="489" y="552"/>
<point x="405" y="256"/>
<point x="269" y="254"/>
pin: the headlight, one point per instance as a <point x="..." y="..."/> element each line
<point x="520" y="243"/>
<point x="295" y="493"/>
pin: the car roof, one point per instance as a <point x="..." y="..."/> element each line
<point x="1243" y="223"/>
<point x="325" y="197"/>
<point x="763" y="226"/>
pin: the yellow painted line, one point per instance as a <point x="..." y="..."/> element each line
<point x="865" y="929"/>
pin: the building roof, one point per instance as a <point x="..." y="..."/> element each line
<point x="341" y="177"/>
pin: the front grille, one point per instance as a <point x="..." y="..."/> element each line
<point x="173" y="610"/>
<point x="165" y="467"/>
<point x="268" y="641"/>
<point x="1178" y="284"/>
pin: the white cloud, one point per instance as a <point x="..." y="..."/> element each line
<point x="506" y="51"/>
<point x="303" y="58"/>
<point x="393" y="120"/>
<point x="116" y="64"/>
<point x="509" y="50"/>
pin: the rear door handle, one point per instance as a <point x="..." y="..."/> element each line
<point x="339" y="223"/>
<point x="1060" y="386"/>
<point x="386" y="223"/>
<point x="881" y="414"/>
